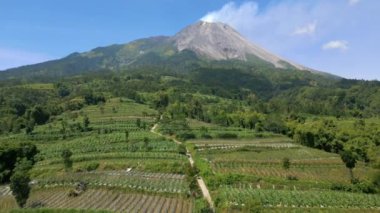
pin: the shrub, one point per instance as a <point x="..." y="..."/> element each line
<point x="286" y="163"/>
<point x="185" y="136"/>
<point x="92" y="166"/>
<point x="357" y="186"/>
<point x="182" y="149"/>
<point x="227" y="135"/>
<point x="291" y="177"/>
<point x="66" y="156"/>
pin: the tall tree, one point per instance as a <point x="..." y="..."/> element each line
<point x="20" y="182"/>
<point x="349" y="159"/>
<point x="67" y="161"/>
<point x="86" y="123"/>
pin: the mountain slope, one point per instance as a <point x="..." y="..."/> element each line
<point x="200" y="43"/>
<point x="219" y="41"/>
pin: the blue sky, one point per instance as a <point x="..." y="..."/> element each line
<point x="336" y="36"/>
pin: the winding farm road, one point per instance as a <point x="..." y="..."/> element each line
<point x="201" y="183"/>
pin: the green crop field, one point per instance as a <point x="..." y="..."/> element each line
<point x="103" y="199"/>
<point x="232" y="197"/>
<point x="124" y="165"/>
<point x="248" y="173"/>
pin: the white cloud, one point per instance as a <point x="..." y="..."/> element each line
<point x="274" y="27"/>
<point x="308" y="29"/>
<point x="353" y="2"/>
<point x="337" y="44"/>
<point x="238" y="16"/>
<point x="13" y="58"/>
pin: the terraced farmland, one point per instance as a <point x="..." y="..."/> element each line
<point x="125" y="167"/>
<point x="247" y="174"/>
<point x="113" y="200"/>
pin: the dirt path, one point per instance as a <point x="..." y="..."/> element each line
<point x="201" y="183"/>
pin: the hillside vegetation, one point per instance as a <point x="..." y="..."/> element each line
<point x="262" y="139"/>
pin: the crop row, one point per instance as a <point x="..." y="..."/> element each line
<point x="203" y="147"/>
<point x="307" y="163"/>
<point x="117" y="155"/>
<point x="333" y="175"/>
<point x="111" y="200"/>
<point x="135" y="173"/>
<point x="105" y="147"/>
<point x="287" y="198"/>
<point x="152" y="182"/>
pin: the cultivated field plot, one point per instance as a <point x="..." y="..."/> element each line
<point x="293" y="198"/>
<point x="103" y="199"/>
<point x="253" y="171"/>
<point x="5" y="190"/>
<point x="319" y="173"/>
<point x="125" y="167"/>
<point x="220" y="144"/>
<point x="108" y="143"/>
<point x="263" y="158"/>
<point x="202" y="129"/>
<point x="267" y="154"/>
<point x="7" y="202"/>
<point x="119" y="109"/>
<point x="148" y="165"/>
<point x="116" y="115"/>
<point x="131" y="180"/>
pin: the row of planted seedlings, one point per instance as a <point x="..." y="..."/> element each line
<point x="117" y="126"/>
<point x="143" y="174"/>
<point x="207" y="147"/>
<point x="51" y="136"/>
<point x="102" y="146"/>
<point x="312" y="173"/>
<point x="276" y="163"/>
<point x="140" y="183"/>
<point x="117" y="155"/>
<point x="295" y="198"/>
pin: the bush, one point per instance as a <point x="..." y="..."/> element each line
<point x="357" y="186"/>
<point x="185" y="136"/>
<point x="227" y="135"/>
<point x="291" y="177"/>
<point x="92" y="166"/>
<point x="66" y="156"/>
<point x="365" y="187"/>
<point x="286" y="163"/>
<point x="341" y="187"/>
<point x="182" y="149"/>
<point x="206" y="136"/>
<point x="92" y="99"/>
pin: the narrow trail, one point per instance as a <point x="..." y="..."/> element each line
<point x="201" y="183"/>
